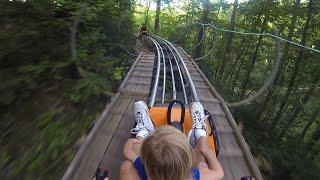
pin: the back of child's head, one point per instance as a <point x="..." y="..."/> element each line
<point x="167" y="155"/>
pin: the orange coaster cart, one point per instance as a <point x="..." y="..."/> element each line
<point x="161" y="114"/>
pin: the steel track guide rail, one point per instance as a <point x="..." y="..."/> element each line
<point x="179" y="70"/>
<point x="164" y="73"/>
<point x="193" y="89"/>
<point x="156" y="82"/>
<point x="174" y="91"/>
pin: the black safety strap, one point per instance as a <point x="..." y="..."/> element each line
<point x="214" y="132"/>
<point x="170" y="108"/>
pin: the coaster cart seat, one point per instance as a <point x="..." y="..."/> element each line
<point x="161" y="113"/>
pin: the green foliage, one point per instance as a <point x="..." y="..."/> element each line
<point x="290" y="155"/>
<point x="88" y="87"/>
<point x="49" y="100"/>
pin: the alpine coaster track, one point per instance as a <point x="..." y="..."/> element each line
<point x="161" y="73"/>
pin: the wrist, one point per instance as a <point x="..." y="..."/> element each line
<point x="133" y="158"/>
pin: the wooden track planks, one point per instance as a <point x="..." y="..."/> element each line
<point x="96" y="149"/>
<point x="105" y="144"/>
<point x="102" y="144"/>
<point x="237" y="160"/>
<point x="137" y="88"/>
<point x="114" y="154"/>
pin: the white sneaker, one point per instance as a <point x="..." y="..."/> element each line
<point x="144" y="125"/>
<point x="199" y="127"/>
<point x="198" y="116"/>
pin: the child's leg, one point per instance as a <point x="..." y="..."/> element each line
<point x="144" y="127"/>
<point x="200" y="159"/>
<point x="206" y="158"/>
<point x="197" y="135"/>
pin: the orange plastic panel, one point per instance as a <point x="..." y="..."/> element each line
<point x="159" y="118"/>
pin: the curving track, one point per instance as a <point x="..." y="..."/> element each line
<point x="159" y="76"/>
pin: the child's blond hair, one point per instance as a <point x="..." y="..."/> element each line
<point x="167" y="155"/>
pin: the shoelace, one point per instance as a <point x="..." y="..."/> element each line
<point x="139" y="125"/>
<point x="201" y="121"/>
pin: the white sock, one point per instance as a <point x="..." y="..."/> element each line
<point x="200" y="132"/>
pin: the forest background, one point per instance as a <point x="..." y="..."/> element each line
<point x="51" y="96"/>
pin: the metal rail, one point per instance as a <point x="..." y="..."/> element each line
<point x="156" y="82"/>
<point x="179" y="71"/>
<point x="213" y="44"/>
<point x="174" y="91"/>
<point x="192" y="87"/>
<point x="164" y="73"/>
<point x="183" y="71"/>
<point x="201" y="39"/>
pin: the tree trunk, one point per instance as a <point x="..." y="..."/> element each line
<point x="227" y="51"/>
<point x="284" y="56"/>
<point x="254" y="59"/>
<point x="147" y="14"/>
<point x="289" y="37"/>
<point x="198" y="49"/>
<point x="314" y="138"/>
<point x="270" y="108"/>
<point x="298" y="107"/>
<point x="295" y="70"/>
<point x="157" y="19"/>
<point x="311" y="119"/>
<point x="265" y="103"/>
<point x="204" y="19"/>
<point x="229" y="74"/>
<point x="237" y="75"/>
<point x="230" y="71"/>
